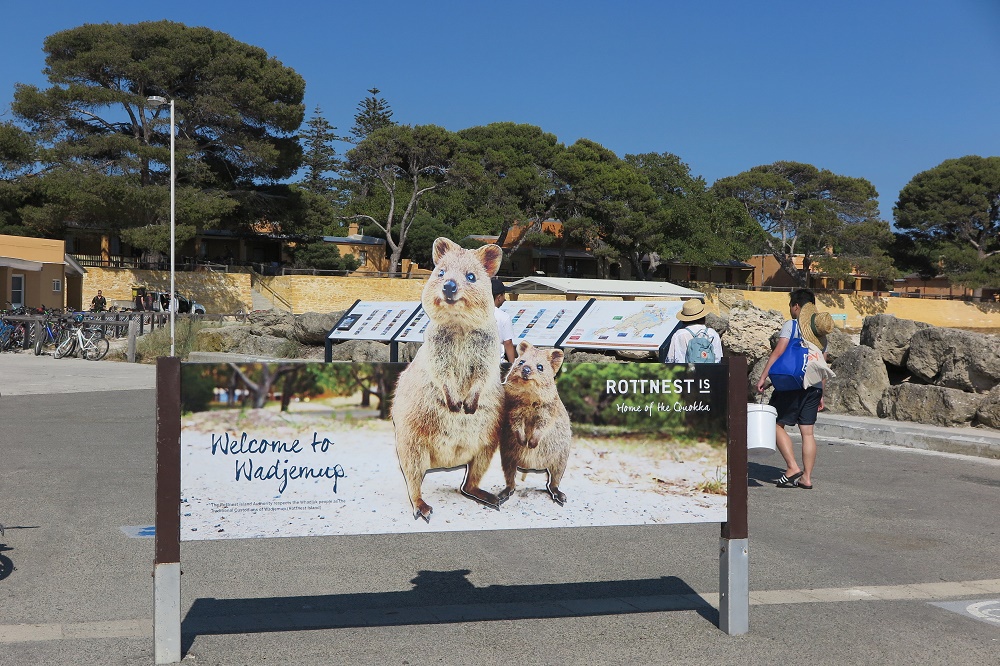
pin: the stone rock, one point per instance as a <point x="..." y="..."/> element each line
<point x="860" y="383"/>
<point x="361" y="351"/>
<point x="627" y="355"/>
<point x="221" y="339"/>
<point x="573" y="356"/>
<point x="839" y="343"/>
<point x="311" y="328"/>
<point x="272" y="322"/>
<point x="753" y="374"/>
<point x="955" y="359"/>
<point x="749" y="332"/>
<point x="729" y="299"/>
<point x="890" y="336"/>
<point x="720" y="323"/>
<point x="934" y="405"/>
<point x="988" y="413"/>
<point x="269" y="346"/>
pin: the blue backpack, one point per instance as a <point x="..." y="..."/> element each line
<point x="699" y="349"/>
<point x="789" y="370"/>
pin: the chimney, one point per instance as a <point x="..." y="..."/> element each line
<point x="352" y="229"/>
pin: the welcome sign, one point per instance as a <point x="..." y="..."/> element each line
<point x="298" y="449"/>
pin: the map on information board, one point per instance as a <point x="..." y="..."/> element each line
<point x="374" y="320"/>
<point x="542" y="323"/>
<point x="633" y="325"/>
<point x="414" y="330"/>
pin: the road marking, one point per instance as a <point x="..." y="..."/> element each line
<point x="985" y="610"/>
<point x="139" y="531"/>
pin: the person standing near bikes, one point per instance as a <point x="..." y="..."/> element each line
<point x="99" y="303"/>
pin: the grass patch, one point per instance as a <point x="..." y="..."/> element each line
<point x="715" y="485"/>
<point x="156" y="343"/>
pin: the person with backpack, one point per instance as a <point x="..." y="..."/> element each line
<point x="797" y="400"/>
<point x="694" y="342"/>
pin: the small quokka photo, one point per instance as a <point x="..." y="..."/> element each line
<point x="449" y="400"/>
<point x="535" y="433"/>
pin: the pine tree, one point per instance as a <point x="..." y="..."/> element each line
<point x="373" y="113"/>
<point x="320" y="159"/>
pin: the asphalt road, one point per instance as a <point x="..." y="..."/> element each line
<point x="847" y="573"/>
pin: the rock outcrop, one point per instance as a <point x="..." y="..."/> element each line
<point x="859" y="385"/>
<point x="749" y="332"/>
<point x="890" y="336"/>
<point x="955" y="359"/>
<point x="934" y="405"/>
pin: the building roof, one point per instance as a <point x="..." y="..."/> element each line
<point x="73" y="267"/>
<point x="21" y="264"/>
<point x="592" y="287"/>
<point x="355" y="240"/>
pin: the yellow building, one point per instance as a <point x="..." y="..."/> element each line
<point x="37" y="272"/>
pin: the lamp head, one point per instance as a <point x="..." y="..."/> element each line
<point x="157" y="101"/>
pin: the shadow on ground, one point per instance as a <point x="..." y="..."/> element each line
<point x="441" y="597"/>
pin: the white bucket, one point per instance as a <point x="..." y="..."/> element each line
<point x="761" y="423"/>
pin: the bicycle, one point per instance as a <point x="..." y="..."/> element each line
<point x="49" y="335"/>
<point x="91" y="343"/>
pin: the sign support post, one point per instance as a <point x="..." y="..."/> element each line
<point x="167" y="560"/>
<point x="734" y="549"/>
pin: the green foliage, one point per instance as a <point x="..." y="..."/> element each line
<point x="156" y="343"/>
<point x="421" y="239"/>
<point x="104" y="149"/>
<point x="955" y="208"/>
<point x="403" y="164"/>
<point x="320" y="160"/>
<point x="322" y="256"/>
<point x="700" y="227"/>
<point x="612" y="199"/>
<point x="805" y="210"/>
<point x="197" y="387"/>
<point x="373" y="113"/>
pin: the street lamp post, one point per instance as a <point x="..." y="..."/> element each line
<point x="156" y="101"/>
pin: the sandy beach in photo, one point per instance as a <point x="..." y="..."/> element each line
<point x="607" y="482"/>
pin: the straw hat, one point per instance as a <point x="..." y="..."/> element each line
<point x="693" y="309"/>
<point x="815" y="326"/>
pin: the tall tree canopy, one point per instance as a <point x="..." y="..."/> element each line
<point x="105" y="149"/>
<point x="404" y="164"/>
<point x="955" y="209"/>
<point x="701" y="228"/>
<point x="806" y="210"/>
<point x="373" y="113"/>
<point x="611" y="201"/>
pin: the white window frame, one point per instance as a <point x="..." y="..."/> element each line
<point x="13" y="303"/>
<point x="57" y="286"/>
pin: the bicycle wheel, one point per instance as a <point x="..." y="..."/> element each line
<point x="96" y="349"/>
<point x="38" y="345"/>
<point x="67" y="341"/>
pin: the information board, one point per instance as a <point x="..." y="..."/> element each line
<point x="542" y="323"/>
<point x="628" y="325"/>
<point x="374" y="320"/>
<point x="330" y="465"/>
<point x="414" y="329"/>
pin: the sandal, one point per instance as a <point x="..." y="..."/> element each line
<point x="788" y="481"/>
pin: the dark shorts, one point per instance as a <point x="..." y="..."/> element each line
<point x="797" y="407"/>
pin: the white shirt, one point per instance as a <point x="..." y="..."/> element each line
<point x="679" y="343"/>
<point x="506" y="329"/>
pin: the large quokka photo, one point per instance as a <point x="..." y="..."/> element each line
<point x="448" y="442"/>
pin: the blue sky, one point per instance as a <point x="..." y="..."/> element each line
<point x="879" y="89"/>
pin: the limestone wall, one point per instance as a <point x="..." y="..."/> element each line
<point x="955" y="314"/>
<point x="228" y="292"/>
<point x="218" y="292"/>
